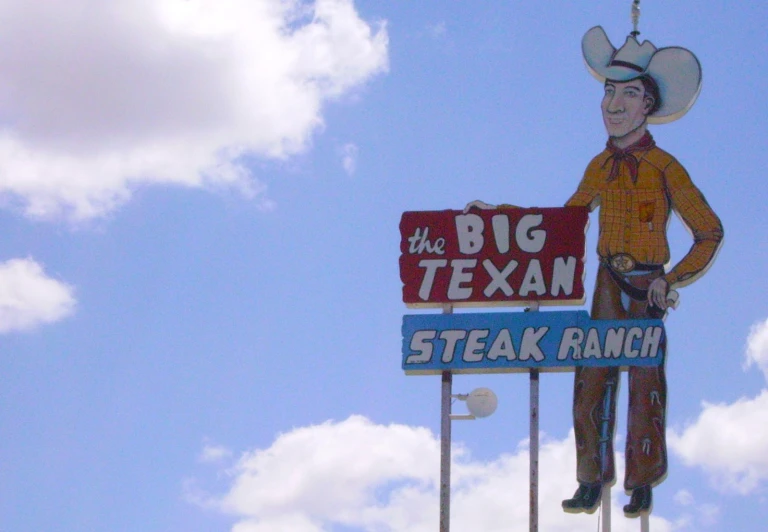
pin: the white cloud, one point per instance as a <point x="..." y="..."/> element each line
<point x="683" y="498"/>
<point x="283" y="523"/>
<point x="730" y="441"/>
<point x="757" y="347"/>
<point x="708" y="514"/>
<point x="349" y="158"/>
<point x="214" y="453"/>
<point x="696" y="515"/>
<point x="97" y="98"/>
<point x="370" y="477"/>
<point x="29" y="298"/>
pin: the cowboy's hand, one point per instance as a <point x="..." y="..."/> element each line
<point x="487" y="206"/>
<point x="478" y="205"/>
<point x="657" y="293"/>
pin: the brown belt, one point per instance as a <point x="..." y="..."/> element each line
<point x="625" y="263"/>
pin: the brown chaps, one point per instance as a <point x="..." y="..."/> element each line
<point x="646" y="450"/>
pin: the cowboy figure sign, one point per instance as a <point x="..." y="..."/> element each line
<point x="636" y="185"/>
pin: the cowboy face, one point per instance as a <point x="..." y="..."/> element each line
<point x="625" y="107"/>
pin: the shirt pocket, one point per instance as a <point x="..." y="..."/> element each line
<point x="647" y="209"/>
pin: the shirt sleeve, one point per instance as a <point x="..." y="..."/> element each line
<point x="587" y="194"/>
<point x="700" y="220"/>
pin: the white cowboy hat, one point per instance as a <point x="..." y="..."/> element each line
<point x="676" y="70"/>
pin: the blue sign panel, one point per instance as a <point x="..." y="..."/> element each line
<point x="502" y="342"/>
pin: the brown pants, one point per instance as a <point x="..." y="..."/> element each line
<point x="646" y="451"/>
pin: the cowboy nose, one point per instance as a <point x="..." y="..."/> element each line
<point x="615" y="104"/>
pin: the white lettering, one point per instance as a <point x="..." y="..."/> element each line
<point x="533" y="280"/>
<point x="431" y="266"/>
<point x="592" y="347"/>
<point x="469" y="228"/>
<point x="633" y="334"/>
<point x="499" y="278"/>
<point x="651" y="342"/>
<point x="420" y="343"/>
<point x="570" y="344"/>
<point x="500" y="224"/>
<point x="458" y="276"/>
<point x="502" y="347"/>
<point x="528" y="239"/>
<point x="473" y="350"/>
<point x="563" y="276"/>
<point x="530" y="345"/>
<point x="614" y="340"/>
<point x="451" y="337"/>
<point x="419" y="242"/>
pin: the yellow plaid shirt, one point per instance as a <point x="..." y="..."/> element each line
<point x="634" y="216"/>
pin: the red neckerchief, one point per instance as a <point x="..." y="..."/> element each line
<point x="618" y="155"/>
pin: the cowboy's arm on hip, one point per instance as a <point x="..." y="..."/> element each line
<point x="700" y="220"/>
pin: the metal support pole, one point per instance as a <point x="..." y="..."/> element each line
<point x="533" y="513"/>
<point x="645" y="525"/>
<point x="445" y="445"/>
<point x="605" y="508"/>
<point x="605" y="437"/>
<point x="445" y="453"/>
<point x="534" y="453"/>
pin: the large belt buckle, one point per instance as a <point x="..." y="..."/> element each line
<point x="622" y="263"/>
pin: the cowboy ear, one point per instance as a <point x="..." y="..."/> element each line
<point x="649" y="102"/>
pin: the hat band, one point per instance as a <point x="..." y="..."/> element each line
<point x="627" y="65"/>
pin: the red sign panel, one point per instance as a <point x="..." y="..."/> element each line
<point x="507" y="256"/>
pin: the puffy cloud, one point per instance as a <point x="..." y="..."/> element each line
<point x="698" y="515"/>
<point x="99" y="97"/>
<point x="730" y="441"/>
<point x="367" y="477"/>
<point x="757" y="347"/>
<point x="29" y="298"/>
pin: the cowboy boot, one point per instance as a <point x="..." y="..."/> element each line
<point x="641" y="502"/>
<point x="586" y="499"/>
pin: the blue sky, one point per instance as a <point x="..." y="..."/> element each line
<point x="199" y="292"/>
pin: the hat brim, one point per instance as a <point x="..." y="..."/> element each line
<point x="676" y="71"/>
<point x="598" y="53"/>
<point x="678" y="74"/>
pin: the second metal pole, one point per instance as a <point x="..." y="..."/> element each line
<point x="605" y="507"/>
<point x="533" y="513"/>
<point x="534" y="453"/>
<point x="445" y="445"/>
<point x="445" y="453"/>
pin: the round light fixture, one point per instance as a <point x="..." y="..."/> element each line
<point x="482" y="402"/>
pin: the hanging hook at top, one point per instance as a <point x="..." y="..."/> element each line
<point x="635" y="17"/>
